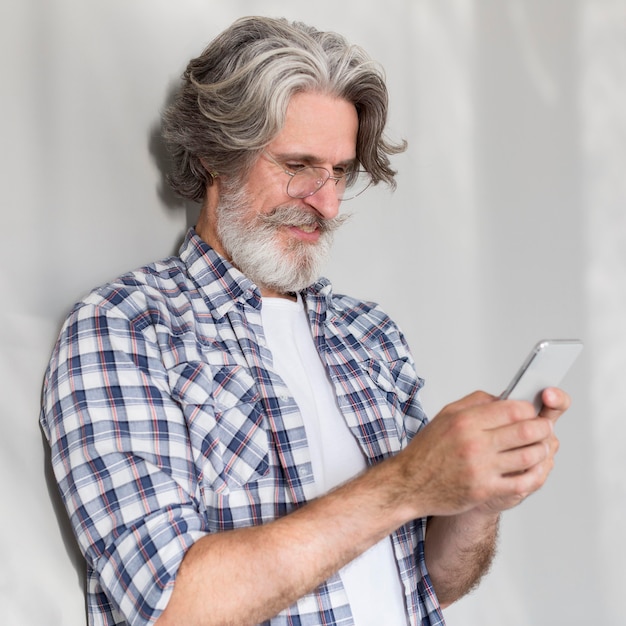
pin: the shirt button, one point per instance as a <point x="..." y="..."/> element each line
<point x="303" y="470"/>
<point x="283" y="397"/>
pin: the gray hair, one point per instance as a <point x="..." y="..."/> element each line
<point x="235" y="95"/>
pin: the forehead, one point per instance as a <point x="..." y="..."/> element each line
<point x="320" y="126"/>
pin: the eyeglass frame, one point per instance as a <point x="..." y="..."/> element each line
<point x="330" y="176"/>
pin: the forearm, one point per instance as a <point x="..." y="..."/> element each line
<point x="478" y="456"/>
<point x="459" y="550"/>
<point x="249" y="575"/>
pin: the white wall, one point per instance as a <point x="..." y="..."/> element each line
<point x="509" y="225"/>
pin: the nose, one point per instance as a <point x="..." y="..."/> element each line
<point x="325" y="201"/>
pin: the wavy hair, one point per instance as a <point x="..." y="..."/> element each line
<point x="234" y="98"/>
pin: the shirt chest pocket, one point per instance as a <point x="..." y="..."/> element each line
<point x="382" y="376"/>
<point x="227" y="425"/>
<point x="372" y="406"/>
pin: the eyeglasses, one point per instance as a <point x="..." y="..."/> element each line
<point x="307" y="180"/>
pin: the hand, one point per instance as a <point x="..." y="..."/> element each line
<point x="482" y="453"/>
<point x="555" y="403"/>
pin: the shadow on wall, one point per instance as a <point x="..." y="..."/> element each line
<point x="63" y="521"/>
<point x="161" y="157"/>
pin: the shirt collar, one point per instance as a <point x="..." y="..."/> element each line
<point x="319" y="297"/>
<point x="223" y="285"/>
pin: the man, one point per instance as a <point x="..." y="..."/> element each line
<point x="234" y="443"/>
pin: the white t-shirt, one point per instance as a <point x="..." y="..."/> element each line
<point x="371" y="581"/>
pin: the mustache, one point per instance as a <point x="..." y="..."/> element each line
<point x="290" y="215"/>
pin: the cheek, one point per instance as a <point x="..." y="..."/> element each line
<point x="259" y="202"/>
<point x="265" y="191"/>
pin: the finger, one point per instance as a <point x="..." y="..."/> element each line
<point x="516" y="486"/>
<point x="522" y="460"/>
<point x="502" y="413"/>
<point x="523" y="484"/>
<point x="494" y="414"/>
<point x="521" y="433"/>
<point x="555" y="403"/>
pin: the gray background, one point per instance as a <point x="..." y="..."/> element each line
<point x="509" y="225"/>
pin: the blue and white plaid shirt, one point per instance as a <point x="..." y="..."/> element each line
<point x="167" y="422"/>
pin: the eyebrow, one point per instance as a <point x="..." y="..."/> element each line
<point x="311" y="159"/>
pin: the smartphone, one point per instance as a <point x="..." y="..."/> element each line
<point x="545" y="366"/>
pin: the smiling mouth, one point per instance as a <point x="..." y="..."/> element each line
<point x="307" y="228"/>
<point x="292" y="217"/>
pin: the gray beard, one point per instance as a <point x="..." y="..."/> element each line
<point x="253" y="247"/>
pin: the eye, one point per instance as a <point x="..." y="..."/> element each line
<point x="294" y="167"/>
<point x="339" y="171"/>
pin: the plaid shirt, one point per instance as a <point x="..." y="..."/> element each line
<point x="167" y="422"/>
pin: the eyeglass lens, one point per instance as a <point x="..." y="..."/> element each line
<point x="309" y="180"/>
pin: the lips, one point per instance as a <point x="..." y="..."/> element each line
<point x="306" y="233"/>
<point x="306" y="228"/>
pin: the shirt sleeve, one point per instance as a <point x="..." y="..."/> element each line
<point x="122" y="458"/>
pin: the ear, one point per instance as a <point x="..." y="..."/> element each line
<point x="211" y="172"/>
